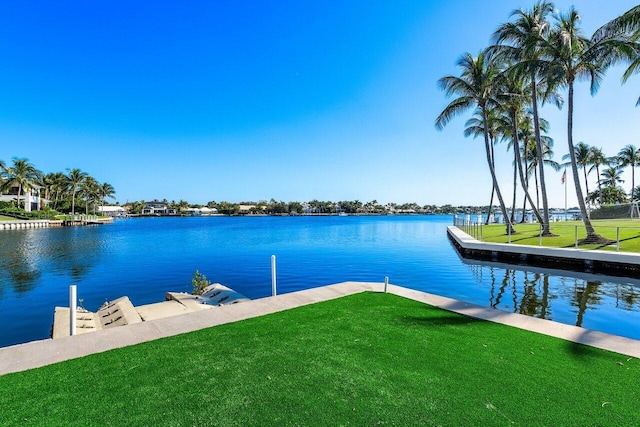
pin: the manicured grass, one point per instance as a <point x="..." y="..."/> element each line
<point x="565" y="234"/>
<point x="366" y="359"/>
<point x="6" y="218"/>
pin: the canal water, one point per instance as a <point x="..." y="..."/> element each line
<point x="143" y="258"/>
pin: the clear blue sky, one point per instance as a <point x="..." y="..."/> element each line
<point x="256" y="100"/>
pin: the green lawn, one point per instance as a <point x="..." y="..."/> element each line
<point x="366" y="359"/>
<point x="565" y="234"/>
<point x="6" y="218"/>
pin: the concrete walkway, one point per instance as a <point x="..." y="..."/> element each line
<point x="40" y="353"/>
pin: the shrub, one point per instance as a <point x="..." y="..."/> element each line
<point x="199" y="283"/>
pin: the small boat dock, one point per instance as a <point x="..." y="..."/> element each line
<point x="77" y="220"/>
<point x="121" y="311"/>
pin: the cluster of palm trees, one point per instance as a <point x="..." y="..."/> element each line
<point x="533" y="58"/>
<point x="62" y="190"/>
<point x="590" y="158"/>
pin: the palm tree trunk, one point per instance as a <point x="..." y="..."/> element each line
<point x="535" y="178"/>
<point x="515" y="187"/>
<point x="599" y="185"/>
<point x="586" y="185"/>
<point x="507" y="221"/>
<point x="523" y="183"/>
<point x="536" y="127"/>
<point x="592" y="236"/>
<point x="19" y="192"/>
<point x="493" y="191"/>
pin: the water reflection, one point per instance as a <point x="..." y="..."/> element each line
<point x="26" y="254"/>
<point x="537" y="292"/>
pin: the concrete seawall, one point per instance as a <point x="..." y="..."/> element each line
<point x="18" y="225"/>
<point x="593" y="261"/>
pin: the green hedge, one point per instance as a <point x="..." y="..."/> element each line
<point x="612" y="211"/>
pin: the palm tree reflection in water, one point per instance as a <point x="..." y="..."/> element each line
<point x="534" y="293"/>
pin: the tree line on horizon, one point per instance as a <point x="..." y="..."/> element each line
<point x="274" y="207"/>
<point x="65" y="191"/>
<point x="532" y="60"/>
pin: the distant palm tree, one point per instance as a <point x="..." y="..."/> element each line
<point x="583" y="159"/>
<point x="611" y="177"/>
<point x="74" y="179"/>
<point x="597" y="159"/>
<point x="547" y="155"/>
<point x="106" y="190"/>
<point x="89" y="190"/>
<point x="21" y="174"/>
<point x="630" y="156"/>
<point x="475" y="127"/>
<point x="513" y="100"/>
<point x="475" y="88"/>
<point x="60" y="187"/>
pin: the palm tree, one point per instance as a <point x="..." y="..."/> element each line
<point x="583" y="159"/>
<point x="106" y="190"/>
<point x="475" y="88"/>
<point x="547" y="156"/>
<point x="21" y="174"/>
<point x="597" y="159"/>
<point x="574" y="57"/>
<point x="611" y="177"/>
<point x="630" y="156"/>
<point x="475" y="127"/>
<point x="513" y="97"/>
<point x="89" y="190"/>
<point x="60" y="187"/>
<point x="525" y="36"/>
<point x="624" y="32"/>
<point x="74" y="180"/>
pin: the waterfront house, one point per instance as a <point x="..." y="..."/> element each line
<point x="31" y="199"/>
<point x="157" y="208"/>
<point x="113" y="211"/>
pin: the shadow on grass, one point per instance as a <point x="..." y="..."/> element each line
<point x="621" y="240"/>
<point x="444" y="319"/>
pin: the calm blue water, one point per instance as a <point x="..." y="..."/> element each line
<point x="145" y="257"/>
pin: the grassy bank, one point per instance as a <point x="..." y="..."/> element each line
<point x="366" y="359"/>
<point x="565" y="234"/>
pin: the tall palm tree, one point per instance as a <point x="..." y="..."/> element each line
<point x="89" y="191"/>
<point x="574" y="57"/>
<point x="597" y="159"/>
<point x="513" y="97"/>
<point x="475" y="88"/>
<point x="525" y="47"/>
<point x="106" y="190"/>
<point x="21" y="174"/>
<point x="74" y="180"/>
<point x="475" y="127"/>
<point x="625" y="33"/>
<point x="630" y="156"/>
<point x="59" y="188"/>
<point x="583" y="159"/>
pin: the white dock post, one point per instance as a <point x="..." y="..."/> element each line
<point x="72" y="309"/>
<point x="273" y="275"/>
<point x="386" y="283"/>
